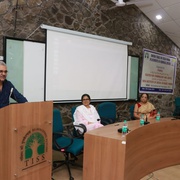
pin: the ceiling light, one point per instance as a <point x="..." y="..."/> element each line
<point x="158" y="17"/>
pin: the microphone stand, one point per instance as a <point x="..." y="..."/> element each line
<point x="146" y="122"/>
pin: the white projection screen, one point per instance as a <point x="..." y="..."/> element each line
<point x="78" y="63"/>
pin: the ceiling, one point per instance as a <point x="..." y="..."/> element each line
<point x="170" y="12"/>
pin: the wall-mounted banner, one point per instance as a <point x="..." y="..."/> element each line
<point x="158" y="73"/>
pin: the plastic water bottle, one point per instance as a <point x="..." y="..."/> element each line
<point x="158" y="117"/>
<point x="142" y="120"/>
<point x="124" y="128"/>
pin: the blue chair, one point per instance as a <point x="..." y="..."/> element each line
<point x="107" y="112"/>
<point x="132" y="112"/>
<point x="177" y="107"/>
<point x="64" y="143"/>
<point x="72" y="112"/>
<point x="177" y="101"/>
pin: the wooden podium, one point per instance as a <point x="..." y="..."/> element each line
<point x="26" y="141"/>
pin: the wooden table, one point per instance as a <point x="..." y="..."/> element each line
<point x="108" y="155"/>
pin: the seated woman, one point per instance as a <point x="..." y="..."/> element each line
<point x="86" y="114"/>
<point x="144" y="108"/>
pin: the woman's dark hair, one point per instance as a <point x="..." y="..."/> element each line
<point x="84" y="96"/>
<point x="143" y="94"/>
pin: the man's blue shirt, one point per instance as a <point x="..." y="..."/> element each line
<point x="8" y="90"/>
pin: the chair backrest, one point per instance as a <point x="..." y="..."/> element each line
<point x="57" y="121"/>
<point x="131" y="109"/>
<point x="177" y="101"/>
<point x="177" y="107"/>
<point x="72" y="112"/>
<point x="107" y="110"/>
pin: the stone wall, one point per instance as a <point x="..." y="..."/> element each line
<point x="22" y="19"/>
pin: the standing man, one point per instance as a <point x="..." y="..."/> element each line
<point x="7" y="89"/>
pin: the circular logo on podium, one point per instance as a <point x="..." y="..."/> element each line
<point x="33" y="148"/>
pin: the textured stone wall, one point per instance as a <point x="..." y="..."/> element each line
<point x="22" y="19"/>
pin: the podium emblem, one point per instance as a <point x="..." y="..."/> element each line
<point x="33" y="148"/>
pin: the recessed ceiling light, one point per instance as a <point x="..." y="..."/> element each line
<point x="158" y="17"/>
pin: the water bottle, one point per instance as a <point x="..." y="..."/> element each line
<point x="158" y="117"/>
<point x="124" y="128"/>
<point x="142" y="120"/>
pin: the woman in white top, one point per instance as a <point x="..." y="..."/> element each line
<point x="87" y="114"/>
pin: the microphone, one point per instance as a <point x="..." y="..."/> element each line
<point x="146" y="122"/>
<point x="11" y="91"/>
<point x="151" y="114"/>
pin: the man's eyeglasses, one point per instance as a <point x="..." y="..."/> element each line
<point x="5" y="72"/>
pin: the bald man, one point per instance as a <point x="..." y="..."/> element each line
<point x="7" y="89"/>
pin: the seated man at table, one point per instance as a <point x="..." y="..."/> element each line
<point x="144" y="107"/>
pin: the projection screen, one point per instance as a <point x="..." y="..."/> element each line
<point x="78" y="63"/>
